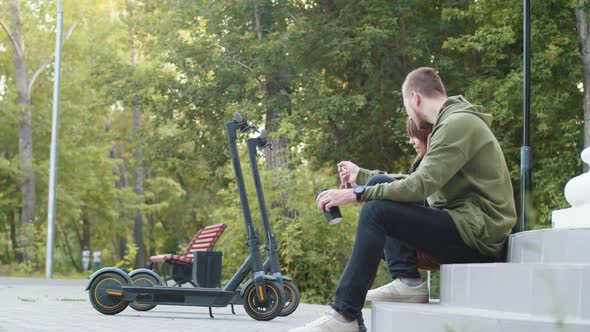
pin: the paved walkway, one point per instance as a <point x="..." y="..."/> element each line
<point x="62" y="305"/>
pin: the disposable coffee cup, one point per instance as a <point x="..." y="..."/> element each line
<point x="333" y="216"/>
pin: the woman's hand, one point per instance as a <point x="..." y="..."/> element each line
<point x="348" y="172"/>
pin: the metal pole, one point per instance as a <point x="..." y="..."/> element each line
<point x="525" y="151"/>
<point x="54" y="131"/>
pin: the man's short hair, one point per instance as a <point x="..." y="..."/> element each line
<point x="426" y="81"/>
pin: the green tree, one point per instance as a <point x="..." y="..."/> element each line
<point x="582" y="8"/>
<point x="33" y="23"/>
<point x="482" y="58"/>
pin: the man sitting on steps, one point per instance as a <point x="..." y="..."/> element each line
<point x="471" y="209"/>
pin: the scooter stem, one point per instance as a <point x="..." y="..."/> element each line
<point x="253" y="242"/>
<point x="271" y="245"/>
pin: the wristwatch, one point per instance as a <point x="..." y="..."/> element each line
<point x="359" y="191"/>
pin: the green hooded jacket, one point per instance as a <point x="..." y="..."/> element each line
<point x="464" y="173"/>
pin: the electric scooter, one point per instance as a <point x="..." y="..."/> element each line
<point x="271" y="264"/>
<point x="111" y="290"/>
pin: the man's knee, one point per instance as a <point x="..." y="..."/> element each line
<point x="372" y="212"/>
<point x="384" y="211"/>
<point x="379" y="178"/>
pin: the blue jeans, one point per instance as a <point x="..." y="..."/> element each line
<point x="410" y="227"/>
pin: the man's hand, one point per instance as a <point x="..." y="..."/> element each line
<point x="348" y="172"/>
<point x="335" y="197"/>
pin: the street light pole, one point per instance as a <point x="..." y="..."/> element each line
<point x="54" y="136"/>
<point x="525" y="151"/>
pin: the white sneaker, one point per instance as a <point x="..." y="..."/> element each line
<point x="397" y="291"/>
<point x="328" y="324"/>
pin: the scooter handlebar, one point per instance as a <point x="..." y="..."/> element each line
<point x="243" y="125"/>
<point x="262" y="143"/>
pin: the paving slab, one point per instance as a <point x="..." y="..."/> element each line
<point x="28" y="304"/>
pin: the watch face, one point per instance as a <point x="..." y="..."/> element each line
<point x="358" y="191"/>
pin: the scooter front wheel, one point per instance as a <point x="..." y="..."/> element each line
<point x="106" y="293"/>
<point x="143" y="279"/>
<point x="272" y="306"/>
<point x="292" y="296"/>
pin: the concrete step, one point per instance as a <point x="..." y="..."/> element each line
<point x="574" y="217"/>
<point x="542" y="290"/>
<point x="552" y="245"/>
<point x="435" y="317"/>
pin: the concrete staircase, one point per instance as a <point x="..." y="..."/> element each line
<point x="545" y="286"/>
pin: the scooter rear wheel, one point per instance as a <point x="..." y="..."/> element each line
<point x="292" y="296"/>
<point x="264" y="311"/>
<point x="143" y="279"/>
<point x="105" y="293"/>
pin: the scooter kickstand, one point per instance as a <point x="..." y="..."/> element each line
<point x="210" y="313"/>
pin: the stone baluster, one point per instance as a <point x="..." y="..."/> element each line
<point x="577" y="194"/>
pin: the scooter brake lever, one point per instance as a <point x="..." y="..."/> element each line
<point x="248" y="128"/>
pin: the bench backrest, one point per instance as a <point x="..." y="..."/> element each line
<point x="205" y="239"/>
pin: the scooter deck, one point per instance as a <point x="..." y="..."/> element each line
<point x="205" y="297"/>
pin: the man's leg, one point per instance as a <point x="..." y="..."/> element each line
<point x="426" y="229"/>
<point x="400" y="257"/>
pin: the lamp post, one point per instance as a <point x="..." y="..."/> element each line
<point x="525" y="151"/>
<point x="54" y="136"/>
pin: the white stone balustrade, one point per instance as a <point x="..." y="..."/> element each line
<point x="577" y="194"/>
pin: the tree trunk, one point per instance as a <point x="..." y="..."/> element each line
<point x="278" y="102"/>
<point x="79" y="235"/>
<point x="330" y="8"/>
<point x="7" y="249"/>
<point x="73" y="258"/>
<point x="122" y="240"/>
<point x="152" y="235"/>
<point x="277" y="89"/>
<point x="277" y="93"/>
<point x="25" y="139"/>
<point x="584" y="33"/>
<point x="26" y="246"/>
<point x="138" y="229"/>
<point x="13" y="240"/>
<point x="257" y="24"/>
<point x="280" y="105"/>
<point x="86" y="231"/>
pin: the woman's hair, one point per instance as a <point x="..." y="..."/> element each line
<point x="420" y="133"/>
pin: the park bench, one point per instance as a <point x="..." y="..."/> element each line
<point x="181" y="265"/>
